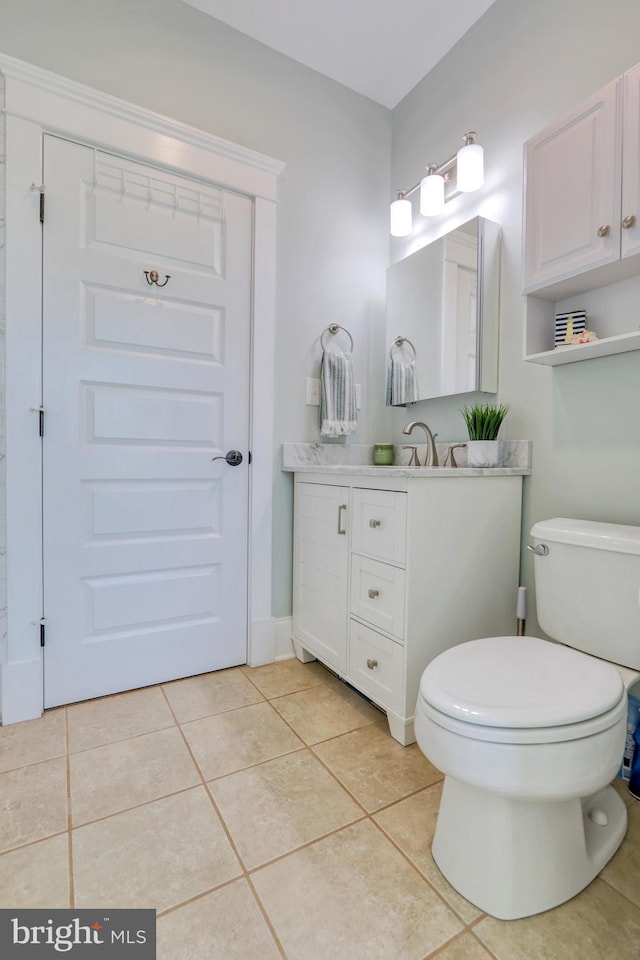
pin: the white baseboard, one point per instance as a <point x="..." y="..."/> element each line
<point x="21" y="690"/>
<point x="262" y="642"/>
<point x="284" y="643"/>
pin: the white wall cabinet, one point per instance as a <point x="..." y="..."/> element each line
<point x="572" y="192"/>
<point x="582" y="216"/>
<point x="389" y="573"/>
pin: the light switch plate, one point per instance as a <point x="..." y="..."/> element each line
<point x="313" y="392"/>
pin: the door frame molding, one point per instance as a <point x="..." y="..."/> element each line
<point x="38" y="102"/>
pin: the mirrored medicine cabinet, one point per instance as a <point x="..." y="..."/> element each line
<point x="443" y="305"/>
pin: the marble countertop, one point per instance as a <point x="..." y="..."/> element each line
<point x="348" y="459"/>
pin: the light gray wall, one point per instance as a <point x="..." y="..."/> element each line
<point x="522" y="66"/>
<point x="332" y="244"/>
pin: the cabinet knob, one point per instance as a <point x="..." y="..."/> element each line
<point x="374" y="593"/>
<point x="629" y="222"/>
<point x="604" y="230"/>
<point x="372" y="664"/>
<point x="374" y="523"/>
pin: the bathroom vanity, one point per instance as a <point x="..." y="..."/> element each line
<point x="393" y="565"/>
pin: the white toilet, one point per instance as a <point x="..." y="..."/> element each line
<point x="529" y="733"/>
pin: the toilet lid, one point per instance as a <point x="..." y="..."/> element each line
<point x="520" y="682"/>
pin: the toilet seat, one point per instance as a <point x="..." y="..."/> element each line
<point x="521" y="690"/>
<point x="526" y="735"/>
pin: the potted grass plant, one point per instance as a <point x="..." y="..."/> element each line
<point x="483" y="422"/>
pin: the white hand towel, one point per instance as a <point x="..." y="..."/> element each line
<point x="402" y="384"/>
<point x="338" y="413"/>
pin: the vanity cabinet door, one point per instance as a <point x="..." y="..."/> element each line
<point x="572" y="191"/>
<point x="321" y="558"/>
<point x="630" y="214"/>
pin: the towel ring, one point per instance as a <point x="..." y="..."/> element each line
<point x="333" y="329"/>
<point x="398" y="343"/>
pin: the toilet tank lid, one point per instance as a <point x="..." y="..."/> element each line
<point x="615" y="537"/>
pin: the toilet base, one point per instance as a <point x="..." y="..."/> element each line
<point x="514" y="858"/>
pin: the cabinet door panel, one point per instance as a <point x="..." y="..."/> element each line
<point x="572" y="189"/>
<point x="377" y="594"/>
<point x="631" y="162"/>
<point x="379" y="524"/>
<point x="321" y="572"/>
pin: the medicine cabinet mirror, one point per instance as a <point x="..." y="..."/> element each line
<point x="444" y="300"/>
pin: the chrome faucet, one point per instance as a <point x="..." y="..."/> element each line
<point x="431" y="459"/>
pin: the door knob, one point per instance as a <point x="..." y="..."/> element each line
<point x="233" y="458"/>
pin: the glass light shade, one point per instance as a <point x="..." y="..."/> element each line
<point x="401" y="218"/>
<point x="432" y="195"/>
<point x="470" y="164"/>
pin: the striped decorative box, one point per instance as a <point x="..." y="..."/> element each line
<point x="574" y="321"/>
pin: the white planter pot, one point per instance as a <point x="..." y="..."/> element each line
<point x="484" y="453"/>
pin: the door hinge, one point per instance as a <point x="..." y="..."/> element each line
<point x="39" y="187"/>
<point x="40" y="412"/>
<point x="41" y="624"/>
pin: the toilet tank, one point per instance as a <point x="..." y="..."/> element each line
<point x="588" y="587"/>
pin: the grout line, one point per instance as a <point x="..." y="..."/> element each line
<point x="472" y="933"/>
<point x="303" y="846"/>
<point x="32" y="843"/>
<point x="203" y="783"/>
<point x="232" y="843"/>
<point x="267" y="919"/>
<point x="417" y="870"/>
<point x="35" y="763"/>
<point x="335" y="776"/>
<point x="615" y="889"/>
<point x="135" y="806"/>
<point x="112" y="743"/>
<point x="445" y="946"/>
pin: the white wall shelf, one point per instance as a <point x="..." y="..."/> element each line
<point x="611" y="312"/>
<point x="585" y="351"/>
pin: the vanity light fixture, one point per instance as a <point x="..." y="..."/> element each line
<point x="432" y="192"/>
<point x="468" y="164"/>
<point x="401" y="217"/>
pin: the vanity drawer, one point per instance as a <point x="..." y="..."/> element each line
<point x="379" y="524"/>
<point x="377" y="594"/>
<point x="376" y="665"/>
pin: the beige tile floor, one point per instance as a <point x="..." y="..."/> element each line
<point x="265" y="813"/>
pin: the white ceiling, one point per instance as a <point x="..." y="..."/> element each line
<point x="379" y="48"/>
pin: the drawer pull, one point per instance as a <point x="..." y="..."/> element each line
<point x="373" y="594"/>
<point x="341" y="530"/>
<point x="372" y="664"/>
<point x="374" y="523"/>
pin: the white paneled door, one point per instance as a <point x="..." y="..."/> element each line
<point x="145" y="535"/>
